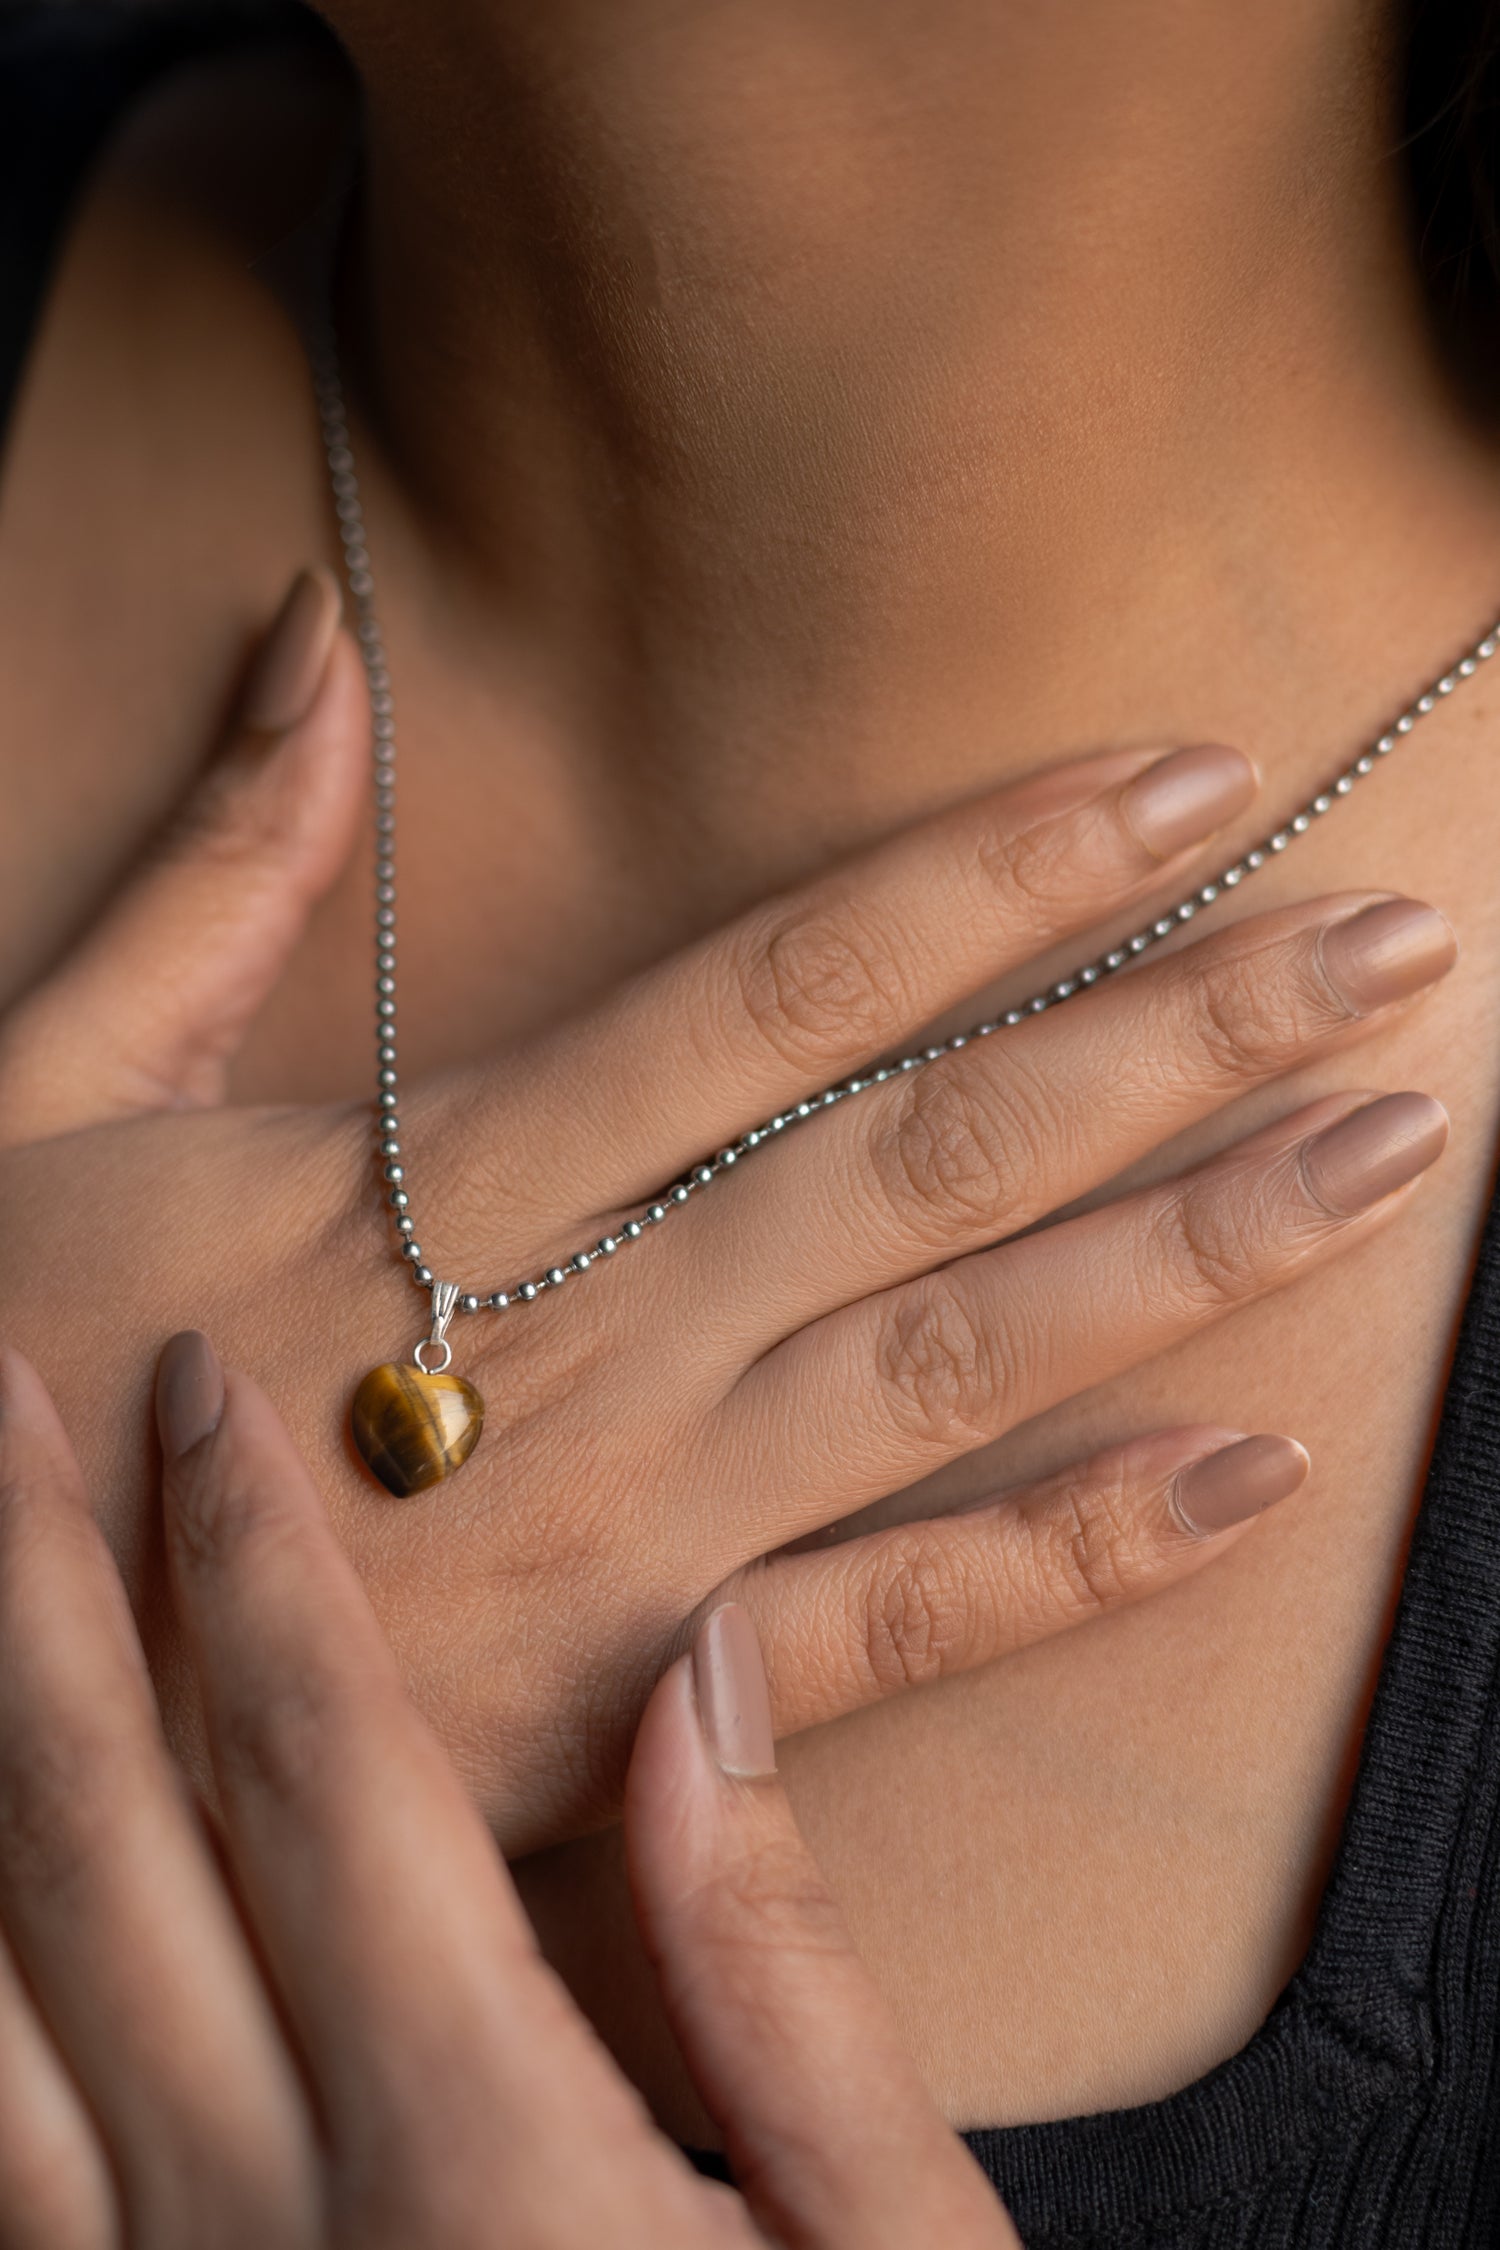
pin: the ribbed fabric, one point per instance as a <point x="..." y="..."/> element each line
<point x="1366" y="2111"/>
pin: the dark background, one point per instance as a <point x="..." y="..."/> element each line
<point x="68" y="68"/>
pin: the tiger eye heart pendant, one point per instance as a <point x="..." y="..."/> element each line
<point x="413" y="1429"/>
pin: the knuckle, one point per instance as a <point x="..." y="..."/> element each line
<point x="768" y="1898"/>
<point x="63" y="1802"/>
<point x="820" y="981"/>
<point x="1088" y="1558"/>
<point x="225" y="1521"/>
<point x="283" y="1742"/>
<point x="1214" y="1244"/>
<point x="956" y="1151"/>
<point x="913" y="1616"/>
<point x="1034" y="867"/>
<point x="1243" y="1025"/>
<point x="936" y="1370"/>
<point x="1253" y="1011"/>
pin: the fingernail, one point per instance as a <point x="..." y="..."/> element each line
<point x="288" y="671"/>
<point x="189" y="1393"/>
<point x="734" y="1704"/>
<point x="1237" y="1482"/>
<point x="1186" y="796"/>
<point x="1387" y="952"/>
<point x="1379" y="1148"/>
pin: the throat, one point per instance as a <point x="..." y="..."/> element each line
<point x="789" y="423"/>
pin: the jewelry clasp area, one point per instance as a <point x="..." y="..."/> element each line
<point x="444" y="1301"/>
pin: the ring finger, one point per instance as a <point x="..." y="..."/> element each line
<point x="884" y="1391"/>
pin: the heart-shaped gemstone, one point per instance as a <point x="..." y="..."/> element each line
<point x="413" y="1429"/>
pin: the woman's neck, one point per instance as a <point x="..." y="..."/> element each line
<point x="824" y="409"/>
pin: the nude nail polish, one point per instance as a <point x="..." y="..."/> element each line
<point x="1387" y="952"/>
<point x="189" y="1393"/>
<point x="734" y="1705"/>
<point x="1374" y="1151"/>
<point x="1185" y="796"/>
<point x="1237" y="1482"/>
<point x="293" y="657"/>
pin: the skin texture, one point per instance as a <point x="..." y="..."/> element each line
<point x="334" y="2028"/>
<point x="849" y="1362"/>
<point x="1124" y="431"/>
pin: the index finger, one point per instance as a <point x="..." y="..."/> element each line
<point x="808" y="987"/>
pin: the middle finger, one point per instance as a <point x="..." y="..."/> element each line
<point x="990" y="1139"/>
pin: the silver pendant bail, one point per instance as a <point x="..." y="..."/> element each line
<point x="444" y="1303"/>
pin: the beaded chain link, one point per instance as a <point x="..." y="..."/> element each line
<point x="328" y="389"/>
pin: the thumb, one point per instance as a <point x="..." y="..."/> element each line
<point x="148" y="1009"/>
<point x="833" y="2139"/>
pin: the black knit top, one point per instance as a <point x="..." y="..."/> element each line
<point x="1366" y="2110"/>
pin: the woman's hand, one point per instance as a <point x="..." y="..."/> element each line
<point x="325" y="2022"/>
<point x="820" y="1329"/>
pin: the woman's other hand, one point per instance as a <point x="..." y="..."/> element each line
<point x="148" y="1010"/>
<point x="320" y="2018"/>
<point x="854" y="1307"/>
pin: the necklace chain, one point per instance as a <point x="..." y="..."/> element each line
<point x="448" y="1297"/>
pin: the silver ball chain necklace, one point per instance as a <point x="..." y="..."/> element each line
<point x="415" y="1424"/>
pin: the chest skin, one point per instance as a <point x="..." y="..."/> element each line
<point x="1084" y="1875"/>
